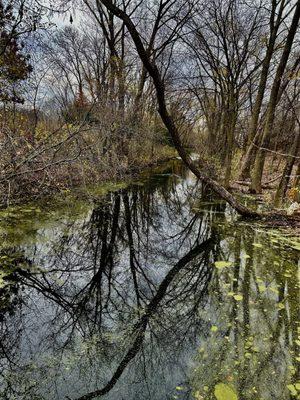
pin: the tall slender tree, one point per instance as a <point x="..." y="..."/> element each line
<point x="276" y="19"/>
<point x="270" y="114"/>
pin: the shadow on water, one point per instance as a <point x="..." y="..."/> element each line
<point x="152" y="292"/>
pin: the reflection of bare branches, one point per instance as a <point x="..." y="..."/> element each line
<point x="93" y="271"/>
<point x="141" y="325"/>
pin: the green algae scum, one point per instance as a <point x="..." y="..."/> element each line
<point x="206" y="305"/>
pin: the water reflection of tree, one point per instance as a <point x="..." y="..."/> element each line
<point x="139" y="266"/>
<point x="255" y="302"/>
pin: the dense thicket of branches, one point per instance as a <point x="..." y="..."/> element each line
<point x="222" y="74"/>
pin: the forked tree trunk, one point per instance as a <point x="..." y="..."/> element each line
<point x="166" y="117"/>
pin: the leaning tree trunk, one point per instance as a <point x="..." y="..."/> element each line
<point x="166" y="117"/>
<point x="268" y="126"/>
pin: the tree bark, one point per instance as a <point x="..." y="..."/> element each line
<point x="283" y="185"/>
<point x="230" y="129"/>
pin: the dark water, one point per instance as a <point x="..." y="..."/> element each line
<point x="151" y="292"/>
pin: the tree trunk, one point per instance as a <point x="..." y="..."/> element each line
<point x="250" y="157"/>
<point x="261" y="90"/>
<point x="138" y="97"/>
<point x="296" y="180"/>
<point x="283" y="185"/>
<point x="268" y="126"/>
<point x="253" y="136"/>
<point x="229" y="148"/>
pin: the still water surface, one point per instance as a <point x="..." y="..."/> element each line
<point x="155" y="291"/>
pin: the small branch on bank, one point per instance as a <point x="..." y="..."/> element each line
<point x="266" y="184"/>
<point x="245" y="183"/>
<point x="275" y="152"/>
<point x="273" y="180"/>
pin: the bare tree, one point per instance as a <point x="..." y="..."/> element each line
<point x="163" y="111"/>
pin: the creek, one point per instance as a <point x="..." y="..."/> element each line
<point x="157" y="280"/>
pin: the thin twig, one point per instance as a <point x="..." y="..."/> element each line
<point x="276" y="152"/>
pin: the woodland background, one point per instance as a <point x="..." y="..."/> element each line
<point x="78" y="105"/>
